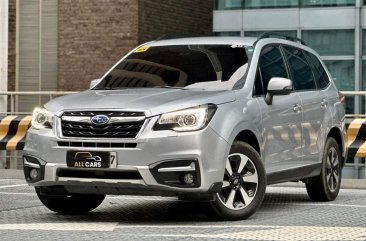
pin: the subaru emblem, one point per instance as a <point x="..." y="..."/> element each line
<point x="99" y="119"/>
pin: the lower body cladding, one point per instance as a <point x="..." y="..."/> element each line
<point x="189" y="165"/>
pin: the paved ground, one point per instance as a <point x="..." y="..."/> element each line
<point x="286" y="214"/>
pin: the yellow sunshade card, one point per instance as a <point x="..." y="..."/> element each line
<point x="142" y="49"/>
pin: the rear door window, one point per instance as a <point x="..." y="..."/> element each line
<point x="302" y="75"/>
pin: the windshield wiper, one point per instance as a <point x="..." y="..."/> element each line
<point x="106" y="88"/>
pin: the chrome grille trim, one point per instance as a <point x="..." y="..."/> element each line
<point x="111" y="120"/>
<point x="122" y="124"/>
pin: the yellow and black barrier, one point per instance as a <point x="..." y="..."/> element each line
<point x="356" y="138"/>
<point x="13" y="130"/>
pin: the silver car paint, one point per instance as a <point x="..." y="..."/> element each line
<point x="238" y="110"/>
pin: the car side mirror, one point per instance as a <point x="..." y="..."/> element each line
<point x="277" y="86"/>
<point x="93" y="83"/>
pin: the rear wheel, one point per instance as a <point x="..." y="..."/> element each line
<point x="70" y="204"/>
<point x="244" y="184"/>
<point x="325" y="187"/>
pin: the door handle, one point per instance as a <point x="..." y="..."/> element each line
<point x="297" y="108"/>
<point x="323" y="103"/>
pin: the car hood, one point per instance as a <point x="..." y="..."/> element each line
<point x="152" y="101"/>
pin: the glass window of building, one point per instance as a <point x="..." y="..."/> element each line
<point x="291" y="33"/>
<point x="364" y="75"/>
<point x="343" y="74"/>
<point x="327" y="3"/>
<point x="330" y="42"/>
<point x="228" y="4"/>
<point x="270" y="3"/>
<point x="363" y="99"/>
<point x="364" y="42"/>
<point x="228" y="33"/>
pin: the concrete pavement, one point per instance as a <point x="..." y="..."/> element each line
<point x="286" y="214"/>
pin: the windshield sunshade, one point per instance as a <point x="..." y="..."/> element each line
<point x="193" y="66"/>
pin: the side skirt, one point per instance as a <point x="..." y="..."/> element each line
<point x="294" y="174"/>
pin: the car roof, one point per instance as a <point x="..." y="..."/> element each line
<point x="247" y="41"/>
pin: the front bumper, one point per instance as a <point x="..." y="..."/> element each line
<point x="143" y="164"/>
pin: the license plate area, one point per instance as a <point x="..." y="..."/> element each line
<point x="91" y="159"/>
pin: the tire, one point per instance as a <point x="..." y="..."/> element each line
<point x="70" y="204"/>
<point x="325" y="187"/>
<point x="243" y="190"/>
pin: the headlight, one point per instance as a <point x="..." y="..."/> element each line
<point x="191" y="119"/>
<point x="42" y="118"/>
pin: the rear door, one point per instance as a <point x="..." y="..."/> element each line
<point x="322" y="82"/>
<point x="314" y="104"/>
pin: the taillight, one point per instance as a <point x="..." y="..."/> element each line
<point x="342" y="98"/>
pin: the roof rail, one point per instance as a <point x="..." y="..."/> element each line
<point x="283" y="36"/>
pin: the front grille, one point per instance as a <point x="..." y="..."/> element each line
<point x="111" y="130"/>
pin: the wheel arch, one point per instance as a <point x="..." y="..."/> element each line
<point x="250" y="138"/>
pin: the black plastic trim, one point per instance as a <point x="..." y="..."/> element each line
<point x="294" y="174"/>
<point x="98" y="174"/>
<point x="173" y="179"/>
<point x="27" y="169"/>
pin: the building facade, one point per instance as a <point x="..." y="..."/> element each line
<point x="64" y="44"/>
<point x="336" y="29"/>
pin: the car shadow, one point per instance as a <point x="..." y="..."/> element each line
<point x="154" y="211"/>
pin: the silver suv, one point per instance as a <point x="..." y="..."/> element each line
<point x="212" y="118"/>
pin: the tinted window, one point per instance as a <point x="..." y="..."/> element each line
<point x="302" y="75"/>
<point x="176" y="66"/>
<point x="320" y="75"/>
<point x="271" y="64"/>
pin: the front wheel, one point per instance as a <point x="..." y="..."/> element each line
<point x="244" y="184"/>
<point x="325" y="187"/>
<point x="70" y="204"/>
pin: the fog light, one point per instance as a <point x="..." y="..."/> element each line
<point x="33" y="174"/>
<point x="188" y="178"/>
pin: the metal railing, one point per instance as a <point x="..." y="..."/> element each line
<point x="354" y="94"/>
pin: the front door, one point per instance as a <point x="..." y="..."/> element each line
<point x="281" y="121"/>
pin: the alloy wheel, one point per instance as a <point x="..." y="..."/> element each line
<point x="332" y="169"/>
<point x="240" y="182"/>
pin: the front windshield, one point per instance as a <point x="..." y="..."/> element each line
<point x="179" y="66"/>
